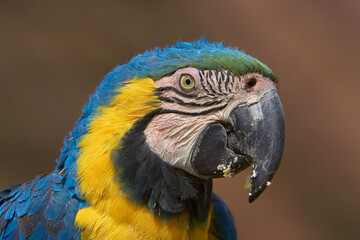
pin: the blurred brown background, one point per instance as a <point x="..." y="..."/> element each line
<point x="53" y="55"/>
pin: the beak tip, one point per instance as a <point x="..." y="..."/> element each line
<point x="251" y="198"/>
<point x="255" y="193"/>
<point x="258" y="186"/>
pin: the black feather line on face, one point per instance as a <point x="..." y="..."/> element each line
<point x="227" y="80"/>
<point x="161" y="89"/>
<point x="194" y="104"/>
<point x="202" y="81"/>
<point x="164" y="111"/>
<point x="149" y="180"/>
<point x="207" y="77"/>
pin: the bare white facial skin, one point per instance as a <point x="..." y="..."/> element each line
<point x="173" y="135"/>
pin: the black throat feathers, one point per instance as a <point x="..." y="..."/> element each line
<point x="148" y="180"/>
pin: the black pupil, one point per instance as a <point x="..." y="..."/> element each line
<point x="188" y="81"/>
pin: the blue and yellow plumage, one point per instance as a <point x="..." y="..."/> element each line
<point x="109" y="183"/>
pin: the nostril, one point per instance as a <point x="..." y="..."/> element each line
<point x="251" y="83"/>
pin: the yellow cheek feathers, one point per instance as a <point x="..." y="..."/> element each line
<point x="96" y="170"/>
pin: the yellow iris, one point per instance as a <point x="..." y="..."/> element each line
<point x="187" y="82"/>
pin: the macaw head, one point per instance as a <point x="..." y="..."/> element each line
<point x="187" y="113"/>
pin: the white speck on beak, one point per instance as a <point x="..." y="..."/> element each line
<point x="221" y="167"/>
<point x="254" y="174"/>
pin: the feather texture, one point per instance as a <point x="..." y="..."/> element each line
<point x="222" y="224"/>
<point x="42" y="208"/>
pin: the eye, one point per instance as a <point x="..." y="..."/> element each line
<point x="187" y="82"/>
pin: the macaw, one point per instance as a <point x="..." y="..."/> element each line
<point x="140" y="161"/>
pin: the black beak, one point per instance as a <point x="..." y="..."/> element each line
<point x="260" y="129"/>
<point x="255" y="136"/>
